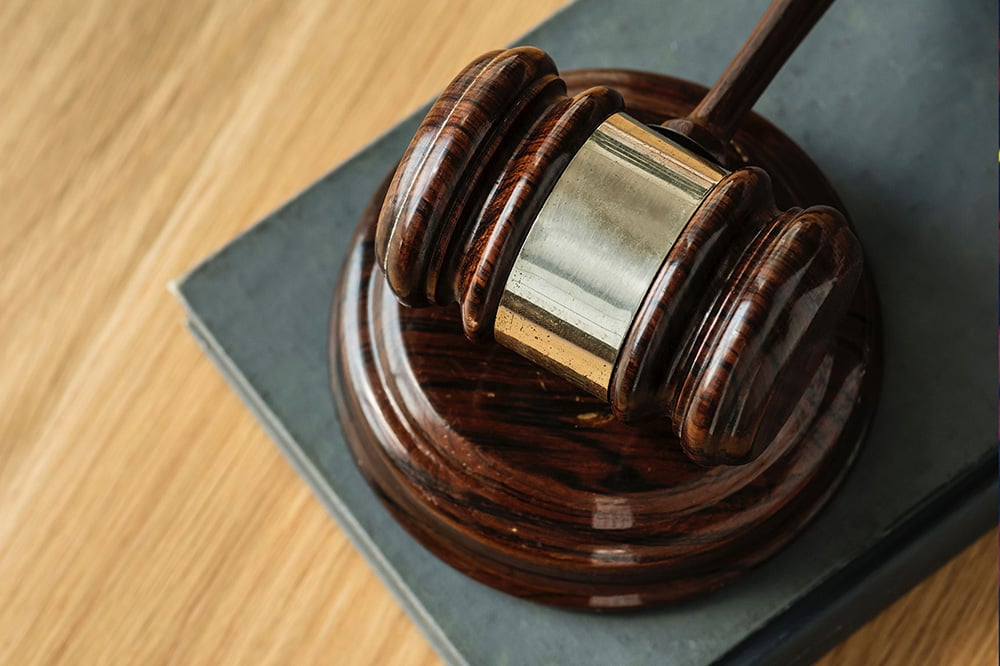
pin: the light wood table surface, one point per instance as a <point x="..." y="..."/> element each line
<point x="144" y="515"/>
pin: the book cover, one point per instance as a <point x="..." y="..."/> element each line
<point x="896" y="102"/>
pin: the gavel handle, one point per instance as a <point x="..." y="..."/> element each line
<point x="785" y="24"/>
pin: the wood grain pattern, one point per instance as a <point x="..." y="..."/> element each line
<point x="144" y="515"/>
<point x="517" y="479"/>
<point x="767" y="333"/>
<point x="445" y="173"/>
<point x="513" y="477"/>
<point x="482" y="164"/>
<point x="473" y="178"/>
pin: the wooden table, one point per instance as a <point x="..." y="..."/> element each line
<point x="144" y="515"/>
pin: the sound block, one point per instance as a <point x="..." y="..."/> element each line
<point x="518" y="479"/>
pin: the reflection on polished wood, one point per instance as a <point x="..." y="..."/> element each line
<point x="144" y="515"/>
<point x="564" y="504"/>
<point x="726" y="324"/>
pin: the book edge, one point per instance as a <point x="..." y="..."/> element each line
<point x="905" y="555"/>
<point x="305" y="468"/>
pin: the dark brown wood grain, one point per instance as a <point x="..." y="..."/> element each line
<point x="495" y="233"/>
<point x="732" y="327"/>
<point x="756" y="349"/>
<point x="516" y="478"/>
<point x="448" y="161"/>
<point x="475" y="174"/>
<point x="645" y="377"/>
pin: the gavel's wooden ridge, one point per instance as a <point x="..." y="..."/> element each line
<point x="752" y="342"/>
<point x="597" y="248"/>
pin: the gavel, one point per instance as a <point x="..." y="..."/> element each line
<point x="647" y="265"/>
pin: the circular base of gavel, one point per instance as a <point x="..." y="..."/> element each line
<point x="523" y="482"/>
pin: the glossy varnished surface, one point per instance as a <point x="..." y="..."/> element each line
<point x="453" y="149"/>
<point x="700" y="254"/>
<point x="475" y="176"/>
<point x="566" y="220"/>
<point x="149" y="518"/>
<point x="525" y="483"/>
<point x="589" y="258"/>
<point x="765" y="335"/>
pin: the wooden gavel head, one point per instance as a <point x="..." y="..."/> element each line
<point x="606" y="251"/>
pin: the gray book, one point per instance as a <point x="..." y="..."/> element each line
<point x="896" y="101"/>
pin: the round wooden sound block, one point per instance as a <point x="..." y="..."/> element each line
<point x="520" y="480"/>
